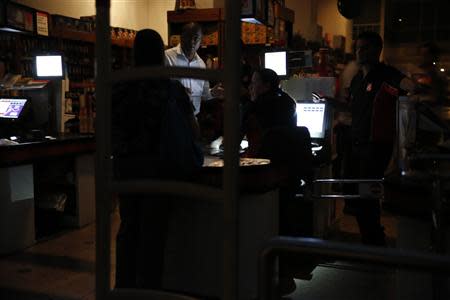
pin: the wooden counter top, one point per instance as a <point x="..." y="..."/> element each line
<point x="255" y="175"/>
<point x="64" y="145"/>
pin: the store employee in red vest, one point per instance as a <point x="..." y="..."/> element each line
<point x="373" y="94"/>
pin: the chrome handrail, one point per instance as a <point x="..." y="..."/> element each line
<point x="416" y="260"/>
<point x="367" y="188"/>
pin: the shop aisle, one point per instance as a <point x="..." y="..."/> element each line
<point x="63" y="268"/>
<point x="59" y="268"/>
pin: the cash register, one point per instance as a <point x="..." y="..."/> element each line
<point x="11" y="108"/>
<point x="314" y="116"/>
<point x="13" y="117"/>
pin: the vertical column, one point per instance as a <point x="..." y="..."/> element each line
<point x="382" y="24"/>
<point x="103" y="147"/>
<point x="231" y="168"/>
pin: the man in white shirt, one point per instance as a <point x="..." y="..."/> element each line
<point x="185" y="55"/>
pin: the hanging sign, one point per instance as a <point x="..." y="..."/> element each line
<point x="42" y="23"/>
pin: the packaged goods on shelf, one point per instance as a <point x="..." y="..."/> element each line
<point x="60" y="22"/>
<point x="211" y="39"/>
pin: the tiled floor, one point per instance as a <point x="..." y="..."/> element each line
<point x="63" y="267"/>
<point x="60" y="268"/>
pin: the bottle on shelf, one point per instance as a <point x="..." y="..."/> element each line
<point x="68" y="105"/>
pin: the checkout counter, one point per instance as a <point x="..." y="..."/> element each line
<point x="46" y="177"/>
<point x="32" y="175"/>
<point x="196" y="227"/>
<point x="194" y="249"/>
<point x="315" y="111"/>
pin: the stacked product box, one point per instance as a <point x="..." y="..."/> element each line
<point x="253" y="33"/>
<point x="210" y="39"/>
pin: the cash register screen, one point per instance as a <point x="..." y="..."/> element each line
<point x="276" y="61"/>
<point x="11" y="108"/>
<point x="312" y="116"/>
<point x="49" y="66"/>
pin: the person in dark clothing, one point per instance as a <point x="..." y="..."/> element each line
<point x="269" y="107"/>
<point x="270" y="124"/>
<point x="137" y="108"/>
<point x="373" y="94"/>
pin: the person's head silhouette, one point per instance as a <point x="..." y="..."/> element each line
<point x="148" y="48"/>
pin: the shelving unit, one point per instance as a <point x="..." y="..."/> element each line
<point x="89" y="37"/>
<point x="68" y="180"/>
<point x="212" y="21"/>
<point x="72" y="38"/>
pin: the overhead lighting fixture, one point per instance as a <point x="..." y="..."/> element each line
<point x="254" y="11"/>
<point x="399" y="19"/>
<point x="16" y="17"/>
<point x="251" y="20"/>
<point x="442" y="70"/>
<point x="9" y="29"/>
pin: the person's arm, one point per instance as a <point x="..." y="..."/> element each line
<point x="400" y="81"/>
<point x="195" y="126"/>
<point x="169" y="58"/>
<point x="166" y="60"/>
<point x="206" y="93"/>
<point x="408" y="85"/>
<point x="419" y="92"/>
<point x="216" y="91"/>
<point x="187" y="108"/>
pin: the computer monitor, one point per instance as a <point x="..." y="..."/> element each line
<point x="277" y="61"/>
<point x="312" y="116"/>
<point x="11" y="108"/>
<point x="300" y="59"/>
<point x="49" y="66"/>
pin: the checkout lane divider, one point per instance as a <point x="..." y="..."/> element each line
<point x="366" y="188"/>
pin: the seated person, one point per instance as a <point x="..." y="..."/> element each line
<point x="269" y="107"/>
<point x="270" y="124"/>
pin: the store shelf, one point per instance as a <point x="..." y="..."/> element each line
<point x="89" y="37"/>
<point x="195" y="15"/>
<point x="69" y="116"/>
<point x="74" y="35"/>
<point x="122" y="43"/>
<point x="81" y="85"/>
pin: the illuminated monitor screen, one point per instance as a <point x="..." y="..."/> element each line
<point x="49" y="66"/>
<point x="312" y="116"/>
<point x="11" y="108"/>
<point x="276" y="61"/>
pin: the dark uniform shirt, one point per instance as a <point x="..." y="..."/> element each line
<point x="363" y="91"/>
<point x="274" y="109"/>
<point x="270" y="110"/>
<point x="137" y="108"/>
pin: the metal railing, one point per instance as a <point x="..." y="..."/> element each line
<point x="367" y="188"/>
<point x="437" y="264"/>
<point x="105" y="186"/>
